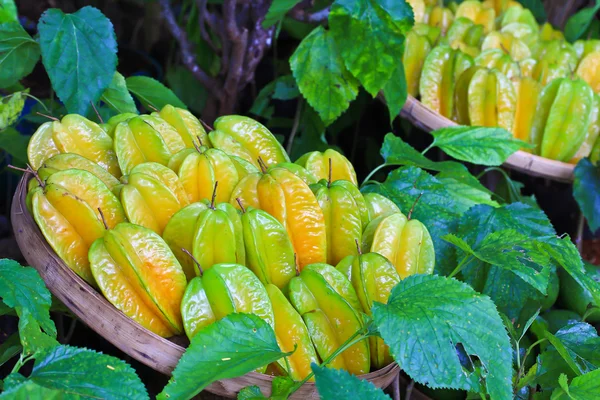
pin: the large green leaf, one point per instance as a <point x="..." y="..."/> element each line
<point x="277" y="11"/>
<point x="8" y="11"/>
<point x="228" y="348"/>
<point x="28" y="390"/>
<point x="337" y="384"/>
<point x="428" y="316"/>
<point x="586" y="190"/>
<point x="321" y="75"/>
<point x="117" y="97"/>
<point x="579" y="23"/>
<point x="79" y="52"/>
<point x="87" y="373"/>
<point x="395" y="91"/>
<point x="370" y="38"/>
<point x="187" y="88"/>
<point x="478" y="145"/>
<point x="23" y="289"/>
<point x="151" y="93"/>
<point x="583" y="387"/>
<point x="10" y="109"/>
<point x="18" y="53"/>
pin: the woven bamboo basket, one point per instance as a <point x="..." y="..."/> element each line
<point x="150" y="349"/>
<point x="428" y="120"/>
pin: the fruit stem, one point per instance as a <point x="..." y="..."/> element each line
<point x="197" y="147"/>
<point x="97" y="113"/>
<point x="329" y="177"/>
<point x="200" y="140"/>
<point x="296" y="267"/>
<point x="103" y="218"/>
<point x="29" y="170"/>
<point x="413" y="206"/>
<point x="358" y="247"/>
<point x="195" y="261"/>
<point x="152" y="107"/>
<point x="214" y="196"/>
<point x="47" y="116"/>
<point x="239" y="201"/>
<point x="262" y="165"/>
<point x="207" y="126"/>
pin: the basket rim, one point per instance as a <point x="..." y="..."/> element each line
<point x="91" y="307"/>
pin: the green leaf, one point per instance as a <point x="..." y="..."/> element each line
<point x="251" y="393"/>
<point x="228" y="348"/>
<point x="23" y="289"/>
<point x="14" y="144"/>
<point x="471" y="191"/>
<point x="33" y="339"/>
<point x="117" y="97"/>
<point x="18" y="53"/>
<point x="281" y="387"/>
<point x="395" y="92"/>
<point x="513" y="251"/>
<point x="79" y="52"/>
<point x="87" y="373"/>
<point x="337" y="384"/>
<point x="8" y="11"/>
<point x="537" y="9"/>
<point x="583" y="387"/>
<point x="428" y="316"/>
<point x="277" y="11"/>
<point x="30" y="390"/>
<point x="187" y="88"/>
<point x="151" y="93"/>
<point x="10" y="348"/>
<point x="10" y="109"/>
<point x="478" y="145"/>
<point x="579" y="23"/>
<point x="283" y="88"/>
<point x="370" y="39"/>
<point x="586" y="190"/>
<point x="321" y="75"/>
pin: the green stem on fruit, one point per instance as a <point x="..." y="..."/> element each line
<point x="460" y="266"/>
<point x="239" y="201"/>
<point x="214" y="196"/>
<point x="194" y="259"/>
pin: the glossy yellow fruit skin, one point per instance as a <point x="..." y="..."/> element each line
<point x="545" y="71"/>
<point x="66" y="210"/>
<point x="528" y="92"/>
<point x="418" y="7"/>
<point x="297" y="170"/>
<point x="373" y="278"/>
<point x="557" y="52"/>
<point x="199" y="172"/>
<point x="500" y="5"/>
<point x="289" y="199"/>
<point x="407" y="244"/>
<point x="222" y="290"/>
<point x="520" y="15"/>
<point x="439" y="17"/>
<point x="379" y="205"/>
<point x="248" y="139"/>
<point x="592" y="134"/>
<point x="190" y="129"/>
<point x="342" y="219"/>
<point x="73" y="134"/>
<point x="269" y="251"/>
<point x="151" y="195"/>
<point x="441" y="70"/>
<point x="432" y="33"/>
<point x="589" y="70"/>
<point x="330" y="320"/>
<point x="477" y="13"/>
<point x="137" y="272"/>
<point x="317" y="163"/>
<point x="291" y="334"/>
<point x="562" y="119"/>
<point x="109" y="126"/>
<point x="499" y="60"/>
<point x="585" y="47"/>
<point x="547" y="33"/>
<point x="413" y="59"/>
<point x="506" y="42"/>
<point x="465" y="31"/>
<point x="485" y="97"/>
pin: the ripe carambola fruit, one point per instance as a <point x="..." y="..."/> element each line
<point x="66" y="208"/>
<point x="297" y="170"/>
<point x="269" y="251"/>
<point x="405" y="243"/>
<point x="151" y="195"/>
<point x="562" y="119"/>
<point x="498" y="59"/>
<point x="222" y="290"/>
<point x="291" y="334"/>
<point x="441" y="70"/>
<point x="342" y="219"/>
<point x="379" y="205"/>
<point x="477" y="13"/>
<point x="485" y="97"/>
<point x="373" y="278"/>
<point x="289" y="199"/>
<point x="145" y="139"/>
<point x="317" y="163"/>
<point x="109" y="126"/>
<point x="137" y="272"/>
<point x="466" y="32"/>
<point x="189" y="127"/>
<point x="73" y="134"/>
<point x="439" y="17"/>
<point x="417" y="47"/>
<point x="589" y="70"/>
<point x="330" y="320"/>
<point x="509" y="44"/>
<point x="528" y="92"/>
<point x="592" y="134"/>
<point x="248" y="139"/>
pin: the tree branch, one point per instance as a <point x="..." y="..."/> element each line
<point x="300" y="14"/>
<point x="188" y="58"/>
<point x="203" y="16"/>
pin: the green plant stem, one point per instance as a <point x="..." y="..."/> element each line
<point x="38" y="100"/>
<point x="21" y="361"/>
<point x="377" y="169"/>
<point x="589" y="312"/>
<point x="522" y="366"/>
<point x="460" y="266"/>
<point x="511" y="186"/>
<point x="431" y="146"/>
<point x="295" y="126"/>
